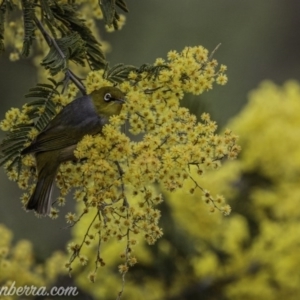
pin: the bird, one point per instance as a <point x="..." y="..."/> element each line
<point x="56" y="143"/>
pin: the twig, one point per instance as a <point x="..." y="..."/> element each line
<point x="121" y="172"/>
<point x="52" y="42"/>
<point x="203" y="190"/>
<point x="213" y="52"/>
<point x="99" y="259"/>
<point x="76" y="253"/>
<point x="127" y="251"/>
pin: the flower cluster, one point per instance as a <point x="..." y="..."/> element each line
<point x="255" y="252"/>
<point x="113" y="180"/>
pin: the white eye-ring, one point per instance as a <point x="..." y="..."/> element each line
<point x="107" y="97"/>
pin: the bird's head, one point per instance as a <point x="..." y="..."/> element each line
<point x="108" y="101"/>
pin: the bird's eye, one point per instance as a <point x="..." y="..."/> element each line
<point x="107" y="97"/>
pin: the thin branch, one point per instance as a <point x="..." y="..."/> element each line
<point x="121" y="172"/>
<point x="203" y="190"/>
<point x="213" y="52"/>
<point x="99" y="259"/>
<point x="52" y="42"/>
<point x="76" y="253"/>
<point x="127" y="251"/>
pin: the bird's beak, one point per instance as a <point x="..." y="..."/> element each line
<point x="122" y="101"/>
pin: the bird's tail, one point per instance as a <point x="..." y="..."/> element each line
<point x="40" y="200"/>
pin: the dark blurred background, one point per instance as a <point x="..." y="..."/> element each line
<point x="260" y="40"/>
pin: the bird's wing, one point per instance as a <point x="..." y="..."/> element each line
<point x="52" y="140"/>
<point x="76" y="120"/>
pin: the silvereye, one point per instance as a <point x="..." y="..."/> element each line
<point x="57" y="142"/>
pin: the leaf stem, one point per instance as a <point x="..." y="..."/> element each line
<point x="69" y="75"/>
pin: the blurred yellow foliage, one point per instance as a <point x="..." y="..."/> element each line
<point x="253" y="253"/>
<point x="112" y="169"/>
<point x="19" y="267"/>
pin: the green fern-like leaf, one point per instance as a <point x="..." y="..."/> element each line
<point x="29" y="25"/>
<point x="108" y="8"/>
<point x="2" y="20"/>
<point x="152" y="71"/>
<point x="5" y="7"/>
<point x="70" y="47"/>
<point x="67" y="15"/>
<point x="119" y="72"/>
<point x="42" y="110"/>
<point x="13" y="144"/>
<point x="47" y="12"/>
<point x="44" y="93"/>
<point x="48" y="19"/>
<point x="122" y="5"/>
